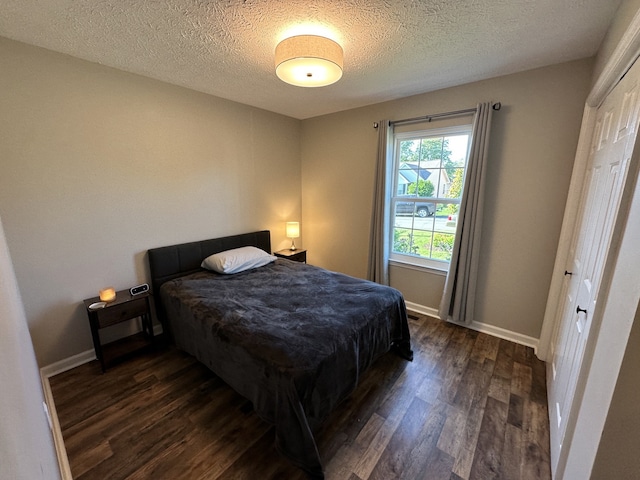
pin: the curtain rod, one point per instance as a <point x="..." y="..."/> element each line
<point x="496" y="106"/>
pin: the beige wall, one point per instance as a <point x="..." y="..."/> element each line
<point x="97" y="166"/>
<point x="26" y="443"/>
<point x="620" y="23"/>
<point x="533" y="144"/>
<point x="617" y="455"/>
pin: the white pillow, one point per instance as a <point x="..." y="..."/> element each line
<point x="237" y="260"/>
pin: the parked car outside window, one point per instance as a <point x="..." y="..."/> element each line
<point x="420" y="209"/>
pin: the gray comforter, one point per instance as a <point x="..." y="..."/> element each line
<point x="291" y="338"/>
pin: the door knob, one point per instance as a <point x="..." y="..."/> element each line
<point x="578" y="310"/>
<point x="568" y="273"/>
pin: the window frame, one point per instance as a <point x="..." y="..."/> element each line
<point x="406" y="259"/>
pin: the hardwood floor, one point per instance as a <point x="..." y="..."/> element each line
<point x="470" y="406"/>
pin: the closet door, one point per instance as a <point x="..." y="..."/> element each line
<point x="612" y="145"/>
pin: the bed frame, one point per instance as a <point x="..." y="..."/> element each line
<point x="295" y="393"/>
<point x="167" y="263"/>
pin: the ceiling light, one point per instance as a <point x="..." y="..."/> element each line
<point x="309" y="61"/>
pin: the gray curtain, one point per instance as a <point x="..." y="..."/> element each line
<point x="378" y="270"/>
<point x="459" y="295"/>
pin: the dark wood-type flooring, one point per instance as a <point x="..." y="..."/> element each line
<point x="470" y="406"/>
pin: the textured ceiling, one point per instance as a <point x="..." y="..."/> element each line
<point x="391" y="48"/>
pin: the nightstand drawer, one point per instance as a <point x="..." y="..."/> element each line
<point x="111" y="315"/>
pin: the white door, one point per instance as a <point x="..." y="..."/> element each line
<point x="612" y="145"/>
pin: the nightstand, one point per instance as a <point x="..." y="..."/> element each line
<point x="124" y="307"/>
<point x="298" y="255"/>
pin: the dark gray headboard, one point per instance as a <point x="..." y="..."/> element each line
<point x="167" y="263"/>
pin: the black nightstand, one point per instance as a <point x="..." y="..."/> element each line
<point x="124" y="307"/>
<point x="298" y="255"/>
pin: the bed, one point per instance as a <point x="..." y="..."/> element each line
<point x="290" y="337"/>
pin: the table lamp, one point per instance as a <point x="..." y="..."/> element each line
<point x="293" y="231"/>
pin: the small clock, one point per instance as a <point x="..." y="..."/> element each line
<point x="138" y="289"/>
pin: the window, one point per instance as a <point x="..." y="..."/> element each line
<point x="429" y="168"/>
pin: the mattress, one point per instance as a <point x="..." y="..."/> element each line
<point x="290" y="337"/>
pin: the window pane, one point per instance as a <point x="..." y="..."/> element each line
<point x="431" y="150"/>
<point x="406" y="177"/>
<point x="424" y="186"/>
<point x="447" y="217"/>
<point x="412" y="242"/>
<point x="409" y="207"/>
<point x="409" y="150"/>
<point x="402" y="239"/>
<point x="455" y="186"/>
<point x="442" y="246"/>
<point x="457" y="147"/>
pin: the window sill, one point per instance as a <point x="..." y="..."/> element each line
<point x="419" y="268"/>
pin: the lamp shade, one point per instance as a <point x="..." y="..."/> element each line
<point x="309" y="61"/>
<point x="293" y="229"/>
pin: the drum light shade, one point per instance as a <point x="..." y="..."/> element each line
<point x="309" y="61"/>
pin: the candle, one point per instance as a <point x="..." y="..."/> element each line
<point x="108" y="294"/>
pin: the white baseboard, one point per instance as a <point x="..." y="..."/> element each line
<point x="67" y="363"/>
<point x="482" y="327"/>
<point x="46" y="373"/>
<point x="504" y="334"/>
<point x="430" y="312"/>
<point x="79" y="359"/>
<point x="58" y="441"/>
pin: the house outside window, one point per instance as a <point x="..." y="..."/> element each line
<point x="428" y="175"/>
